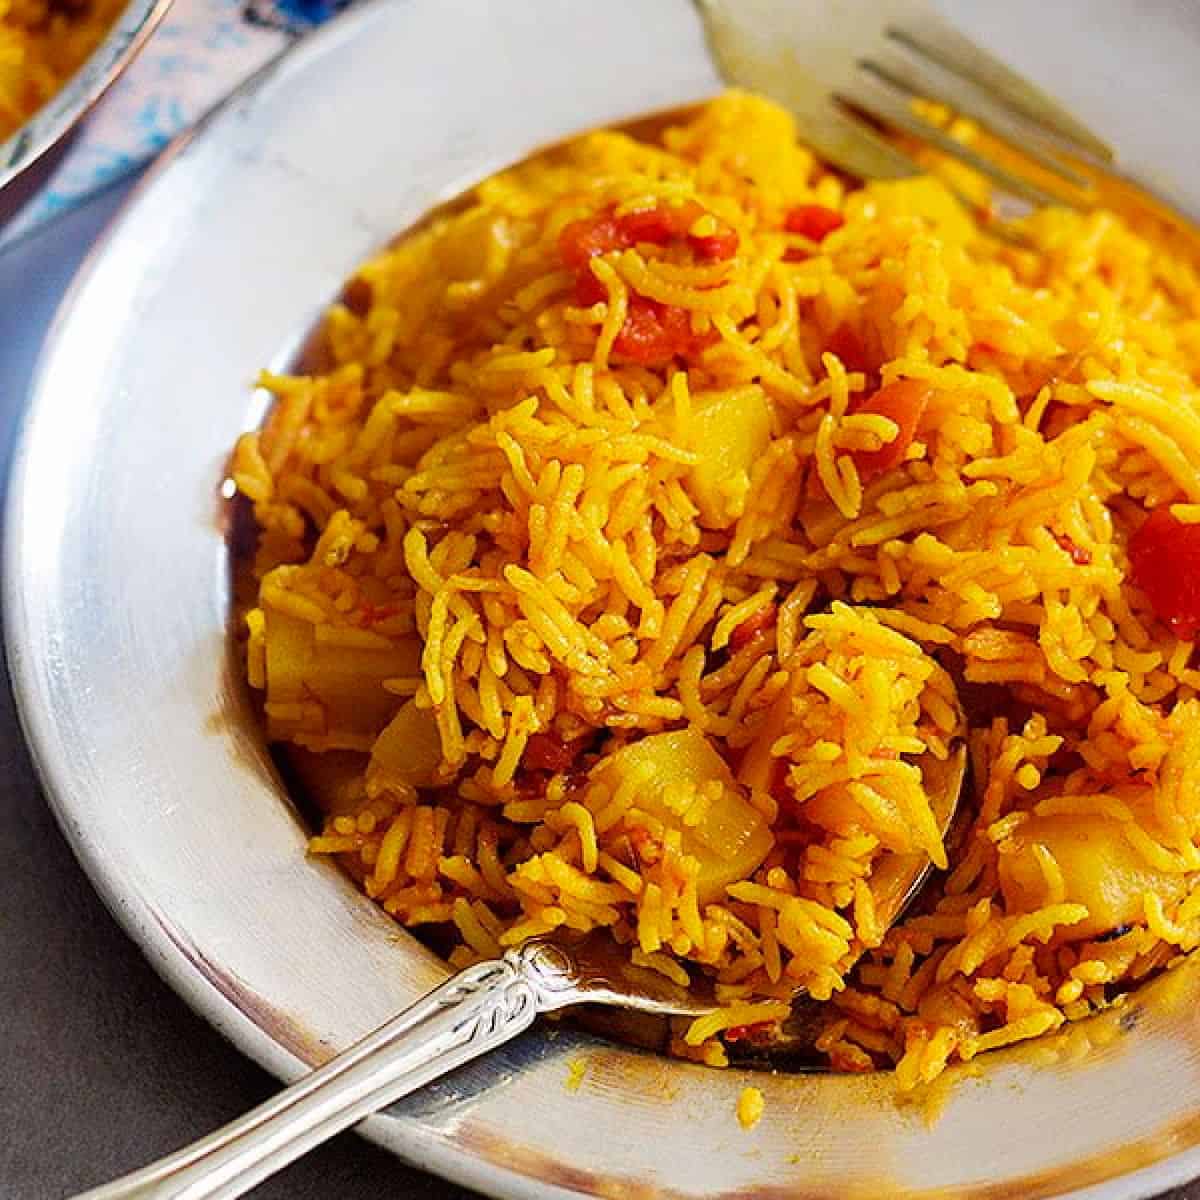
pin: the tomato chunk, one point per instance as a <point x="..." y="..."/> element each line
<point x="716" y="247"/>
<point x="588" y="289"/>
<point x="1164" y="556"/>
<point x="653" y="333"/>
<point x="813" y="221"/>
<point x="904" y="402"/>
<point x="760" y="1031"/>
<point x="583" y="239"/>
<point x="751" y="627"/>
<point x="849" y="347"/>
<point x="545" y="752"/>
<point x="658" y="226"/>
<point x="1081" y="556"/>
<point x="665" y="223"/>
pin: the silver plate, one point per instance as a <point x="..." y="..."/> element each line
<point x="29" y="145"/>
<point x="117" y="600"/>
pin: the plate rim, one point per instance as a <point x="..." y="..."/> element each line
<point x="37" y="136"/>
<point x="406" y="1139"/>
<point x="126" y="905"/>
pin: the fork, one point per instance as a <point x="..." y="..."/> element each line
<point x="851" y="71"/>
<point x="473" y="1012"/>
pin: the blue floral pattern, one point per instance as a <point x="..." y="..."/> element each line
<point x="202" y="51"/>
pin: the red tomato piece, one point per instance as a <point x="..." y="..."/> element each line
<point x="849" y="347"/>
<point x="583" y="239"/>
<point x="588" y="289"/>
<point x="664" y="223"/>
<point x="656" y="226"/>
<point x="646" y="337"/>
<point x="654" y="334"/>
<point x="1080" y="555"/>
<point x="751" y="626"/>
<point x="545" y="752"/>
<point x="1164" y="556"/>
<point x="659" y="226"/>
<point x="760" y="1031"/>
<point x="716" y="247"/>
<point x="904" y="402"/>
<point x="813" y="221"/>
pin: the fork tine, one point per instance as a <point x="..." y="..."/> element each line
<point x="963" y="99"/>
<point x="755" y="47"/>
<point x="884" y="106"/>
<point x="951" y="50"/>
<point x="856" y="149"/>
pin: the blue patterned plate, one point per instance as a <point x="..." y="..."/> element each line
<point x="30" y="145"/>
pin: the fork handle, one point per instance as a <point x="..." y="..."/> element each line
<point x="473" y="1012"/>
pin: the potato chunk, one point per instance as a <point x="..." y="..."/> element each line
<point x="923" y="196"/>
<point x="730" y="839"/>
<point x="731" y="431"/>
<point x="1100" y="870"/>
<point x="409" y="750"/>
<point x="346" y="682"/>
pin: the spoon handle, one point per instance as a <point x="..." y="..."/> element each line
<point x="473" y="1012"/>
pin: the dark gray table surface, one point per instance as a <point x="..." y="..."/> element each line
<point x="102" y="1067"/>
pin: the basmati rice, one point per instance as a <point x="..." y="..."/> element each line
<point x="671" y="486"/>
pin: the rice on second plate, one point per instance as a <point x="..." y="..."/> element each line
<point x="625" y="554"/>
<point x="42" y="44"/>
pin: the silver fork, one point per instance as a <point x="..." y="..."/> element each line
<point x="850" y="69"/>
<point x="475" y="1011"/>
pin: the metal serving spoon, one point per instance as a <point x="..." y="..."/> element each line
<point x="474" y="1011"/>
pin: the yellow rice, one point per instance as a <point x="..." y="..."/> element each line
<point x="477" y="505"/>
<point x="750" y="1107"/>
<point x="42" y="44"/>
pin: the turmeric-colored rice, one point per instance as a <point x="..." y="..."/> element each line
<point x="42" y="44"/>
<point x="643" y="529"/>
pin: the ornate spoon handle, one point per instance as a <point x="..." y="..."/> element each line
<point x="471" y="1013"/>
